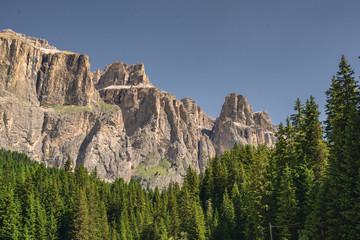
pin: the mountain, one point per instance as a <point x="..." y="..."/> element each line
<point x="53" y="107"/>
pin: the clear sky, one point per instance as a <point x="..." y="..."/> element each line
<point x="270" y="51"/>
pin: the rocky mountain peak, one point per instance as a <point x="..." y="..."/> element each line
<point x="36" y="42"/>
<point x="238" y="124"/>
<point x="33" y="71"/>
<point x="189" y="104"/>
<point x="122" y="74"/>
<point x="115" y="120"/>
<point x="236" y="108"/>
<point x="263" y="119"/>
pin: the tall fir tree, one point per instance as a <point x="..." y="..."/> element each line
<point x="9" y="210"/>
<point x="82" y="218"/>
<point x="174" y="222"/>
<point x="342" y="131"/>
<point x="227" y="217"/>
<point x="315" y="149"/>
<point x="257" y="194"/>
<point x="288" y="207"/>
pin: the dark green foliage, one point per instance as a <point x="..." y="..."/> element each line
<point x="227" y="217"/>
<point x="342" y="181"/>
<point x="78" y="205"/>
<point x="301" y="188"/>
<point x="82" y="218"/>
<point x="287" y="206"/>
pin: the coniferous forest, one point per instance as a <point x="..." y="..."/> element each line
<point x="305" y="187"/>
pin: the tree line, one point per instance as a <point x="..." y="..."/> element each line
<point x="305" y="187"/>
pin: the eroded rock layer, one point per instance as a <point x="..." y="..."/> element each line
<point x="52" y="107"/>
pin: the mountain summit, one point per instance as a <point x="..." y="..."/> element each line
<point x="53" y="107"/>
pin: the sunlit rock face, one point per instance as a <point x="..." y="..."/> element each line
<point x="239" y="124"/>
<point x="52" y="107"/>
<point x="35" y="72"/>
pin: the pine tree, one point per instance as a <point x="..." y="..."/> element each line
<point x="40" y="229"/>
<point x="209" y="218"/>
<point x="310" y="152"/>
<point x="9" y="211"/>
<point x="185" y="209"/>
<point x="215" y="230"/>
<point x="227" y="217"/>
<point x="207" y="184"/>
<point x="92" y="206"/>
<point x="123" y="228"/>
<point x="29" y="213"/>
<point x="197" y="228"/>
<point x="238" y="202"/>
<point x="174" y="223"/>
<point x="104" y="229"/>
<point x="315" y="208"/>
<point x="343" y="134"/>
<point x="52" y="228"/>
<point x="191" y="182"/>
<point x="219" y="181"/>
<point x="82" y="219"/>
<point x="257" y="192"/>
<point x="288" y="206"/>
<point x="315" y="148"/>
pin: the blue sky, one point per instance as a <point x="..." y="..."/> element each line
<point x="272" y="52"/>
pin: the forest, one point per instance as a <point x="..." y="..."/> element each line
<point x="305" y="187"/>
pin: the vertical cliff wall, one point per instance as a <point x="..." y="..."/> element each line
<point x="239" y="124"/>
<point x="33" y="71"/>
<point x="52" y="107"/>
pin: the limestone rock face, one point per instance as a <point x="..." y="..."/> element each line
<point x="52" y="107"/>
<point x="64" y="79"/>
<point x="238" y="124"/>
<point x="120" y="73"/>
<point x="164" y="134"/>
<point x="33" y="71"/>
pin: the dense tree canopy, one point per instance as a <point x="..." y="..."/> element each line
<point x="302" y="188"/>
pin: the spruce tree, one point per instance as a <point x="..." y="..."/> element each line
<point x="52" y="228"/>
<point x="209" y="218"/>
<point x="342" y="131"/>
<point x="239" y="209"/>
<point x="191" y="182"/>
<point x="9" y="210"/>
<point x="227" y="217"/>
<point x="287" y="206"/>
<point x="174" y="223"/>
<point x="40" y="229"/>
<point x="82" y="219"/>
<point x="197" y="228"/>
<point x="185" y="209"/>
<point x="256" y="195"/>
<point x="315" y="149"/>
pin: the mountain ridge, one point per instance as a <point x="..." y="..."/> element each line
<point x="53" y="107"/>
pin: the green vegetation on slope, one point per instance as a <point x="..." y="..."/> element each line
<point x="68" y="109"/>
<point x="305" y="187"/>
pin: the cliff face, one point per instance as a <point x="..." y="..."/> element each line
<point x="238" y="124"/>
<point x="52" y="107"/>
<point x="121" y="74"/>
<point x="33" y="71"/>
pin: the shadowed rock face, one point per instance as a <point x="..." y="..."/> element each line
<point x="52" y="107"/>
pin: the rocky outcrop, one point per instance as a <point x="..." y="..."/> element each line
<point x="238" y="124"/>
<point x="122" y="74"/>
<point x="159" y="128"/>
<point x="33" y="71"/>
<point x="52" y="107"/>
